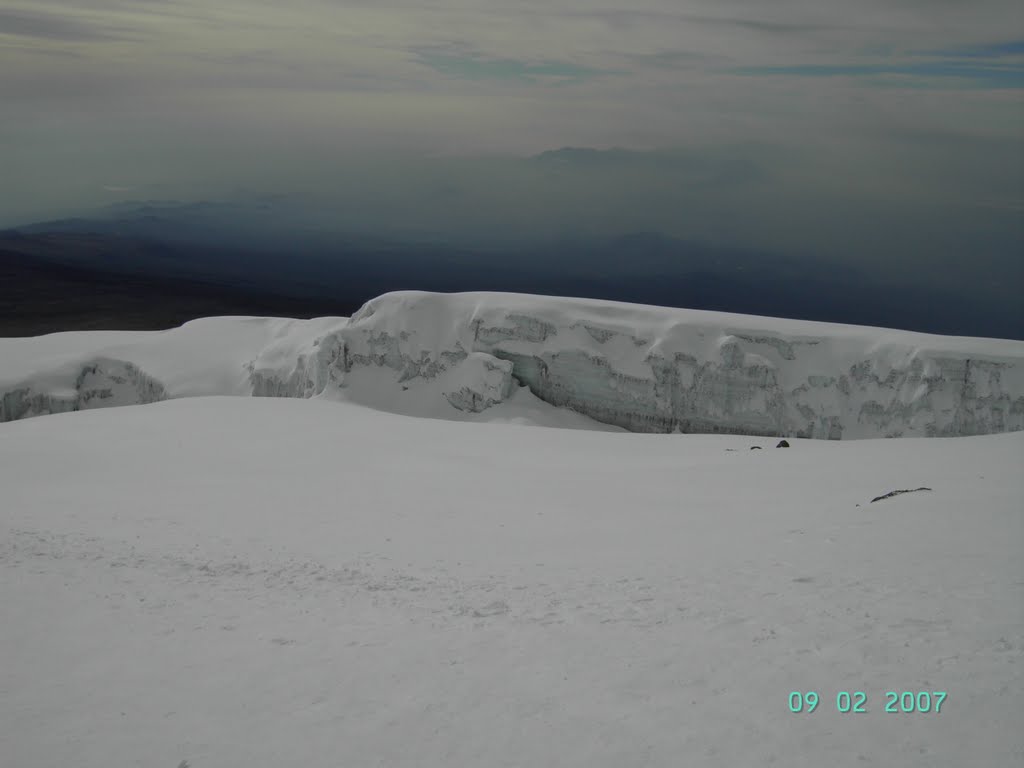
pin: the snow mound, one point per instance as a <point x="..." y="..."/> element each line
<point x="640" y="368"/>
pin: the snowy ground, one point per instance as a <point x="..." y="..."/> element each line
<point x="273" y="582"/>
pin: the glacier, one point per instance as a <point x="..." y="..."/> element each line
<point x="640" y="368"/>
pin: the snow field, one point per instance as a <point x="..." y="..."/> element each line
<point x="250" y="581"/>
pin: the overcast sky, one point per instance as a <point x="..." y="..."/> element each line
<point x="808" y="125"/>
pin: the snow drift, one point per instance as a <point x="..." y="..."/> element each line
<point x="642" y="368"/>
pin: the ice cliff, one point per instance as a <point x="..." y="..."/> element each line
<point x="97" y="383"/>
<point x="652" y="369"/>
<point x="647" y="369"/>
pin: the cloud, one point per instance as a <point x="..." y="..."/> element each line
<point x="758" y="25"/>
<point x="998" y="50"/>
<point x="939" y="74"/>
<point x="45" y="26"/>
<point x="476" y="66"/>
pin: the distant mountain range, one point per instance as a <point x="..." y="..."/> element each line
<point x="157" y="264"/>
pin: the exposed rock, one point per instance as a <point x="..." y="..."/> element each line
<point x="783" y="444"/>
<point x="897" y="493"/>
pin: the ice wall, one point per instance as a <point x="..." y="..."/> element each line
<point x="651" y="369"/>
<point x="647" y="369"/>
<point x="211" y="356"/>
<point x="98" y="383"/>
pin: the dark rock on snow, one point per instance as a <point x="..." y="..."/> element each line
<point x="897" y="493"/>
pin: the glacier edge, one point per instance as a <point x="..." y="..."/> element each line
<point x="646" y="369"/>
